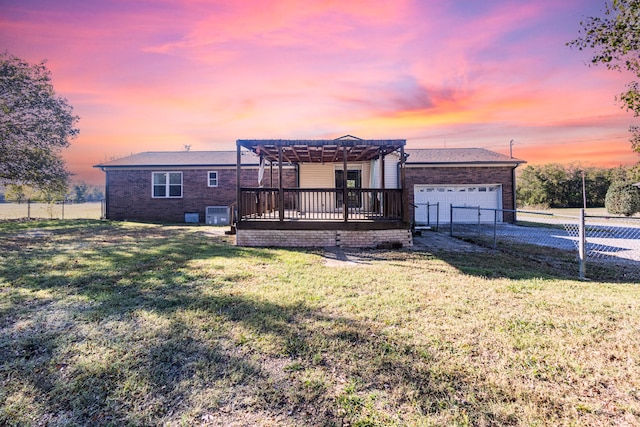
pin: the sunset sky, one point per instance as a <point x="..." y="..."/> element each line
<point x="159" y="75"/>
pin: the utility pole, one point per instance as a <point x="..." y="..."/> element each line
<point x="584" y="192"/>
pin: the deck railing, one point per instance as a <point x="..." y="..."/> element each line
<point x="320" y="204"/>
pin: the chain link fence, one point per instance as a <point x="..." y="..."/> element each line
<point x="430" y="214"/>
<point x="591" y="241"/>
<point x="31" y="209"/>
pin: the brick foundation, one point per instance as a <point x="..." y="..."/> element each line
<point x="324" y="238"/>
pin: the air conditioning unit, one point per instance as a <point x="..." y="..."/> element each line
<point x="217" y="215"/>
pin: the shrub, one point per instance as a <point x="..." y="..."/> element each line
<point x="623" y="199"/>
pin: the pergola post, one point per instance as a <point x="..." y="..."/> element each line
<point x="405" y="192"/>
<point x="383" y="195"/>
<point x="238" y="188"/>
<point x="280" y="187"/>
<point x="345" y="190"/>
<point x="382" y="159"/>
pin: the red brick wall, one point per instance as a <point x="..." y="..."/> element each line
<point x="464" y="175"/>
<point x="129" y="193"/>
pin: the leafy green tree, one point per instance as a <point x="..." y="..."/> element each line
<point x="623" y="199"/>
<point x="96" y="194"/>
<point x="634" y="173"/>
<point x="529" y="189"/>
<point x="21" y="193"/>
<point x="80" y="191"/>
<point x="559" y="186"/>
<point x="615" y="41"/>
<point x="35" y="125"/>
<point x="16" y="193"/>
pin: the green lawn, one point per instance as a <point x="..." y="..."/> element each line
<point x="134" y="324"/>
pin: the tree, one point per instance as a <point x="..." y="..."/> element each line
<point x="96" y="194"/>
<point x="35" y="125"/>
<point x="558" y="186"/>
<point x="20" y="193"/>
<point x="623" y="199"/>
<point x="615" y="40"/>
<point x="80" y="191"/>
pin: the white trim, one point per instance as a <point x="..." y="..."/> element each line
<point x="459" y="165"/>
<point x="209" y="179"/>
<point x="167" y="185"/>
<point x="350" y="166"/>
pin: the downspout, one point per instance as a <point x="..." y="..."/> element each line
<point x="106" y="193"/>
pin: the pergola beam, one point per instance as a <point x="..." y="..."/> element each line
<point x="322" y="151"/>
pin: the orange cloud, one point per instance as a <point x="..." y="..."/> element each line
<point x="158" y="76"/>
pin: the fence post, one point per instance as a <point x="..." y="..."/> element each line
<point x="62" y="208"/>
<point x="495" y="226"/>
<point x="479" y="215"/>
<point x="438" y="216"/>
<point x="413" y="218"/>
<point x="28" y="208"/>
<point x="582" y="243"/>
<point x="451" y="220"/>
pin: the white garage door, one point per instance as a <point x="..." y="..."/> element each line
<point x="485" y="196"/>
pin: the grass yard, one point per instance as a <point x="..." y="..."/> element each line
<point x="133" y="324"/>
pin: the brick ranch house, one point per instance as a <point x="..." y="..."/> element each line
<point x="344" y="192"/>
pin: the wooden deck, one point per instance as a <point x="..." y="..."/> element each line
<point x="320" y="204"/>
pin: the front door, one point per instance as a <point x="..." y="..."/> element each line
<point x="354" y="180"/>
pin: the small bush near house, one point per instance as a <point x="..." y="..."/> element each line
<point x="623" y="199"/>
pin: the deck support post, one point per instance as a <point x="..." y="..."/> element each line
<point x="345" y="190"/>
<point x="383" y="198"/>
<point x="280" y="187"/>
<point x="238" y="187"/>
<point x="405" y="192"/>
<point x="382" y="183"/>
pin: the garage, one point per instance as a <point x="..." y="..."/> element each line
<point x="474" y="195"/>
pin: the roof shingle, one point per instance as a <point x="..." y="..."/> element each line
<point x="456" y="156"/>
<point x="424" y="156"/>
<point x="182" y="158"/>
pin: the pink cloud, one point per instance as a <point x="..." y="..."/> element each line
<point x="147" y="76"/>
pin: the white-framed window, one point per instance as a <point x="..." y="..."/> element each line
<point x="166" y="184"/>
<point x="212" y="179"/>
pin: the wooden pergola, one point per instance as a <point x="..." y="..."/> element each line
<point x="338" y="151"/>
